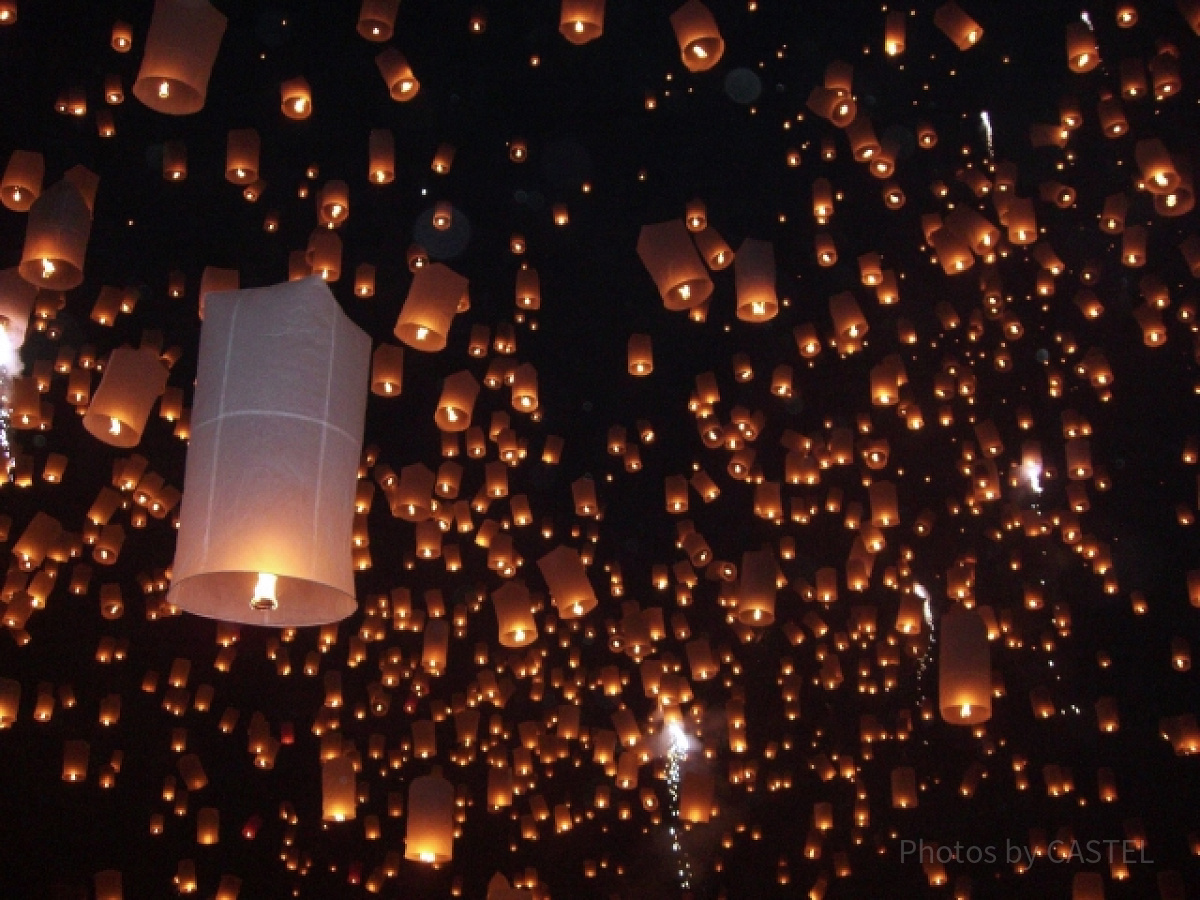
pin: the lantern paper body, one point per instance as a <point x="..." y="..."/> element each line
<point x="56" y="238"/>
<point x="567" y="580"/>
<point x="132" y="381"/>
<point x="754" y="277"/>
<point x="700" y="42"/>
<point x="964" y="669"/>
<point x="181" y="48"/>
<point x="429" y="308"/>
<point x="338" y="796"/>
<point x="17" y="297"/>
<point x="22" y="182"/>
<point x="277" y="426"/>
<point x="581" y="20"/>
<point x="667" y="251"/>
<point x="430" y="835"/>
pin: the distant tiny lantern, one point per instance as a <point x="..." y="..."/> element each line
<point x="133" y="380"/>
<point x="276" y="435"/>
<point x="581" y="20"/>
<point x="700" y="42"/>
<point x="181" y="47"/>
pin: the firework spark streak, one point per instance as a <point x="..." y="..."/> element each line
<point x="8" y="363"/>
<point x="986" y="120"/>
<point x="676" y="756"/>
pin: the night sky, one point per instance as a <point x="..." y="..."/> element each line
<point x="1083" y="580"/>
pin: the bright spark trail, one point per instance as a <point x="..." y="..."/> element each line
<point x="676" y="756"/>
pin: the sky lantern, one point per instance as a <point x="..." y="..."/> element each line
<point x="429" y="309"/>
<point x="22" y="181"/>
<point x="754" y="277"/>
<point x="700" y="43"/>
<point x="429" y="836"/>
<point x="670" y="257"/>
<point x="133" y="380"/>
<point x="401" y="83"/>
<point x="56" y="238"/>
<point x="964" y="668"/>
<point x="953" y="22"/>
<point x="268" y="498"/>
<point x="581" y="21"/>
<point x="181" y="47"/>
<point x="377" y="19"/>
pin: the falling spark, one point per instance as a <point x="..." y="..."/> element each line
<point x="676" y="756"/>
<point x="986" y="120"/>
<point x="1087" y="20"/>
<point x="8" y="364"/>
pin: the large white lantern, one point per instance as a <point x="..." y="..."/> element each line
<point x="277" y="430"/>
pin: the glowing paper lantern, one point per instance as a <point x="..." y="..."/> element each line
<point x="700" y="42"/>
<point x="133" y="380"/>
<point x="754" y="278"/>
<point x="339" y="797"/>
<point x="181" y="48"/>
<point x="953" y="22"/>
<point x="514" y="615"/>
<point x="277" y="423"/>
<point x="397" y="75"/>
<point x="22" y="182"/>
<point x="457" y="402"/>
<point x="377" y="19"/>
<point x="430" y="834"/>
<point x="667" y="251"/>
<point x="581" y="20"/>
<point x="964" y="668"/>
<point x="17" y="297"/>
<point x="567" y="582"/>
<point x="56" y="238"/>
<point x="433" y="299"/>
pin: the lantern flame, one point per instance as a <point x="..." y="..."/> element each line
<point x="264" y="592"/>
<point x="164" y="90"/>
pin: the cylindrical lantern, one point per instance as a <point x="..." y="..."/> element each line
<point x="133" y="380"/>
<point x="754" y="279"/>
<point x="277" y="424"/>
<point x="397" y="75"/>
<point x="387" y="370"/>
<point x="339" y="796"/>
<point x="514" y="615"/>
<point x="381" y="154"/>
<point x="295" y="98"/>
<point x="429" y="837"/>
<point x="181" y="48"/>
<point x="457" y="402"/>
<point x="964" y="668"/>
<point x="700" y="42"/>
<point x="22" y="182"/>
<point x="953" y="22"/>
<point x="108" y="885"/>
<point x="242" y="147"/>
<point x="377" y="19"/>
<point x="756" y="589"/>
<point x="581" y="20"/>
<point x="429" y="308"/>
<point x="56" y="238"/>
<point x="667" y="251"/>
<point x="17" y="297"/>
<point x="567" y="582"/>
<point x="641" y="355"/>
